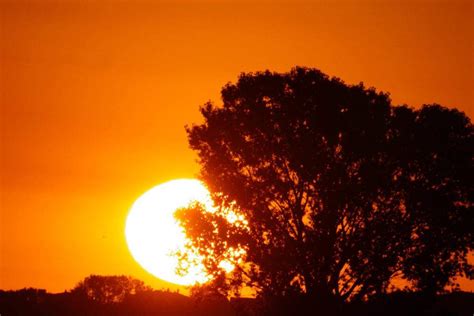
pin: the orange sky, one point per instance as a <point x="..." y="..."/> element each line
<point x="94" y="98"/>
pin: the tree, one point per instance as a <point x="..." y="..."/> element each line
<point x="336" y="190"/>
<point x="109" y="289"/>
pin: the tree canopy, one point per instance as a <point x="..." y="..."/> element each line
<point x="337" y="191"/>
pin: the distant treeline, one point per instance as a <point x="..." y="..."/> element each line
<point x="39" y="302"/>
<point x="120" y="295"/>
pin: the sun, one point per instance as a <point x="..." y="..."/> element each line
<point x="153" y="234"/>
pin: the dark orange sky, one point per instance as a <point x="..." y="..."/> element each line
<point x="94" y="98"/>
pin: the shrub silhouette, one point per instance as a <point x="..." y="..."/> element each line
<point x="109" y="289"/>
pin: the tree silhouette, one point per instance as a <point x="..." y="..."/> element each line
<point x="337" y="190"/>
<point x="109" y="289"/>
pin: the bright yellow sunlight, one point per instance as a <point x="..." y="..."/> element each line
<point x="153" y="234"/>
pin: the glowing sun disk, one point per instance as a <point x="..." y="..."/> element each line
<point x="153" y="234"/>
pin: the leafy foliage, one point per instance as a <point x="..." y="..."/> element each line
<point x="338" y="190"/>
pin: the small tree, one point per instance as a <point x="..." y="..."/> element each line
<point x="339" y="191"/>
<point x="109" y="289"/>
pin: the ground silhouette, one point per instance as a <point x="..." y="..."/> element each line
<point x="153" y="302"/>
<point x="340" y="191"/>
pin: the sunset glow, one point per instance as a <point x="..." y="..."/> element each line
<point x="95" y="97"/>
